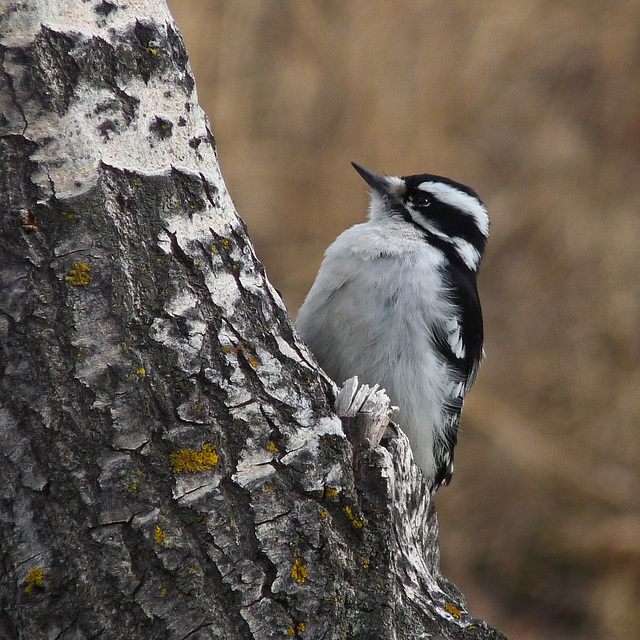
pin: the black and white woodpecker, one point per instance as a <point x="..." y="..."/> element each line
<point x="395" y="303"/>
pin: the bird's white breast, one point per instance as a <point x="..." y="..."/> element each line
<point x="371" y="313"/>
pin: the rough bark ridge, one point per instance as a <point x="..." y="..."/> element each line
<point x="170" y="464"/>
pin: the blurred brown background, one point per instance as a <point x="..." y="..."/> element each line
<point x="537" y="106"/>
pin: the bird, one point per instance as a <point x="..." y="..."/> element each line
<point x="396" y="303"/>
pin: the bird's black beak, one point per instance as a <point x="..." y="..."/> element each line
<point x="376" y="182"/>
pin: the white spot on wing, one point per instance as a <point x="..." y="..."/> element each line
<point x="454" y="338"/>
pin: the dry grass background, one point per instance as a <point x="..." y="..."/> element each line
<point x="536" y="105"/>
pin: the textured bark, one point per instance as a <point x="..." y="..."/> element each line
<point x="171" y="466"/>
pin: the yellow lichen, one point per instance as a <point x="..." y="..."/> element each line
<point x="252" y="361"/>
<point x="133" y="487"/>
<point x="291" y="631"/>
<point x="301" y="627"/>
<point x="453" y="610"/>
<point x="355" y="521"/>
<point x="269" y="488"/>
<point x="34" y="580"/>
<point x="141" y="371"/>
<point x="299" y="570"/>
<point x="365" y="564"/>
<point x="161" y="537"/>
<point x="163" y="592"/>
<point x="79" y="275"/>
<point x="80" y="352"/>
<point x="272" y="446"/>
<point x="324" y="513"/>
<point x="191" y="461"/>
<point x="330" y="492"/>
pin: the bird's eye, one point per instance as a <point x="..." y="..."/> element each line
<point x="420" y="199"/>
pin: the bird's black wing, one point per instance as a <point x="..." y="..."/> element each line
<point x="459" y="342"/>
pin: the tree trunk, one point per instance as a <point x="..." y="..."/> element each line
<point x="171" y="466"/>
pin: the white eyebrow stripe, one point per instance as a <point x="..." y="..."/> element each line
<point x="460" y="200"/>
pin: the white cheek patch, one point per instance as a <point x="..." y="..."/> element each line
<point x="460" y="200"/>
<point x="469" y="254"/>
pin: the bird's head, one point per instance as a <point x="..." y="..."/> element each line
<point x="450" y="214"/>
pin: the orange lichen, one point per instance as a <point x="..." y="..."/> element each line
<point x="299" y="570"/>
<point x="30" y="223"/>
<point x="79" y="275"/>
<point x="191" y="461"/>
